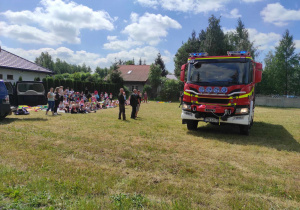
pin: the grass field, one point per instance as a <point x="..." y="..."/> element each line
<point x="95" y="161"/>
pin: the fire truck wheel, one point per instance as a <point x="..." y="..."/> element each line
<point x="192" y="125"/>
<point x="245" y="129"/>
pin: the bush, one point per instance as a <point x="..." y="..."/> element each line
<point x="20" y="79"/>
<point x="171" y="90"/>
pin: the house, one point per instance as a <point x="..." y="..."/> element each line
<point x="13" y="66"/>
<point x="135" y="76"/>
<point x="171" y="76"/>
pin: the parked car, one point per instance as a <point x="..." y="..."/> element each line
<point x="28" y="93"/>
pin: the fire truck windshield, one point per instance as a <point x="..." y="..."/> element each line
<point x="234" y="73"/>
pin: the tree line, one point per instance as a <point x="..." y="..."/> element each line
<point x="281" y="74"/>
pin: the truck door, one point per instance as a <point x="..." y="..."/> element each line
<point x="30" y="93"/>
<point x="10" y="90"/>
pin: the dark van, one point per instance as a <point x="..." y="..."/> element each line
<point x="28" y="93"/>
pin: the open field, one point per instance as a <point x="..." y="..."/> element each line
<point x="96" y="161"/>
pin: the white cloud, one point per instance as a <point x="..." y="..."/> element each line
<point x="121" y="44"/>
<point x="263" y="40"/>
<point x="194" y="6"/>
<point x="251" y="1"/>
<point x="233" y="14"/>
<point x="134" y="17"/>
<point x="297" y="44"/>
<point x="93" y="60"/>
<point x="148" y="3"/>
<point x="55" y="22"/>
<point x="150" y="28"/>
<point x="278" y="15"/>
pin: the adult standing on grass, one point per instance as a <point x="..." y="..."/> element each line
<point x="56" y="100"/>
<point x="133" y="103"/>
<point x="121" y="104"/>
<point x="145" y="97"/>
<point x="50" y="97"/>
<point x="139" y="100"/>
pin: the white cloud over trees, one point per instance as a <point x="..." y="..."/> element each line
<point x="278" y="15"/>
<point x="55" y="22"/>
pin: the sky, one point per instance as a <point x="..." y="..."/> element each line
<point x="98" y="32"/>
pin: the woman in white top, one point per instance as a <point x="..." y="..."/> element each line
<point x="50" y="97"/>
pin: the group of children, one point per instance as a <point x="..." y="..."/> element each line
<point x="73" y="102"/>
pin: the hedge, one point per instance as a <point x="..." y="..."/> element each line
<point x="79" y="86"/>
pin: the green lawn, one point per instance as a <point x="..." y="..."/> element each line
<point x="95" y="161"/>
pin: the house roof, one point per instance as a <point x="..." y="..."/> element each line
<point x="134" y="73"/>
<point x="171" y="76"/>
<point x="12" y="61"/>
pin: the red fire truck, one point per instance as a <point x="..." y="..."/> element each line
<point x="220" y="89"/>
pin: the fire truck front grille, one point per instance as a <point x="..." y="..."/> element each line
<point x="213" y="101"/>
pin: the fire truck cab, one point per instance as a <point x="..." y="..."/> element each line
<point x="220" y="89"/>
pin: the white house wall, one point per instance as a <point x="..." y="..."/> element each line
<point x="26" y="75"/>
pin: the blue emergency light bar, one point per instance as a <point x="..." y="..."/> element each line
<point x="198" y="54"/>
<point x="238" y="53"/>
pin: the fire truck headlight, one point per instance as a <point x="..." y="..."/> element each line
<point x="186" y="107"/>
<point x="242" y="111"/>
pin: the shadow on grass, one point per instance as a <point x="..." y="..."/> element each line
<point x="261" y="134"/>
<point x="11" y="120"/>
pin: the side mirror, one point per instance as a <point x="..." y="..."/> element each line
<point x="258" y="66"/>
<point x="258" y="72"/>
<point x="182" y="73"/>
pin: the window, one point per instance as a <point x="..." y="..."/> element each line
<point x="10" y="77"/>
<point x="38" y="87"/>
<point x="251" y="72"/>
<point x="1" y="76"/>
<point x="134" y="87"/>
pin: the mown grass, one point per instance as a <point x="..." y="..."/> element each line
<point x="95" y="161"/>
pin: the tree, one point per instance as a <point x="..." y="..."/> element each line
<point x="155" y="77"/>
<point x="286" y="60"/>
<point x="281" y="72"/>
<point x="214" y="38"/>
<point x="159" y="61"/>
<point x="115" y="75"/>
<point x="140" y="61"/>
<point x="192" y="45"/>
<point x="20" y="79"/>
<point x="239" y="40"/>
<point x="45" y="60"/>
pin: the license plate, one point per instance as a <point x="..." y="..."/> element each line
<point x="188" y="113"/>
<point x="211" y="119"/>
<point x="210" y="110"/>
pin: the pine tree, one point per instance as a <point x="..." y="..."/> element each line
<point x="159" y="61"/>
<point x="214" y="37"/>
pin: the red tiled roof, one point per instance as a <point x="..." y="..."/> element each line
<point x="12" y="61"/>
<point x="134" y="73"/>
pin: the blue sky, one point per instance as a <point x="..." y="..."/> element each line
<point x="97" y="32"/>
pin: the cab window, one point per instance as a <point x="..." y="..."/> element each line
<point x="38" y="87"/>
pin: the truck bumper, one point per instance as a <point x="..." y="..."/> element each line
<point x="237" y="119"/>
<point x="4" y="109"/>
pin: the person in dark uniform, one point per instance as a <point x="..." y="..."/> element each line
<point x="133" y="103"/>
<point x="121" y="104"/>
<point x="56" y="100"/>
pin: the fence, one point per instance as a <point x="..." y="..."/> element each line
<point x="277" y="101"/>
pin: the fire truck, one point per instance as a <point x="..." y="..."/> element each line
<point x="220" y="89"/>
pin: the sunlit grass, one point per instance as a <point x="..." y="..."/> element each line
<point x="97" y="161"/>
